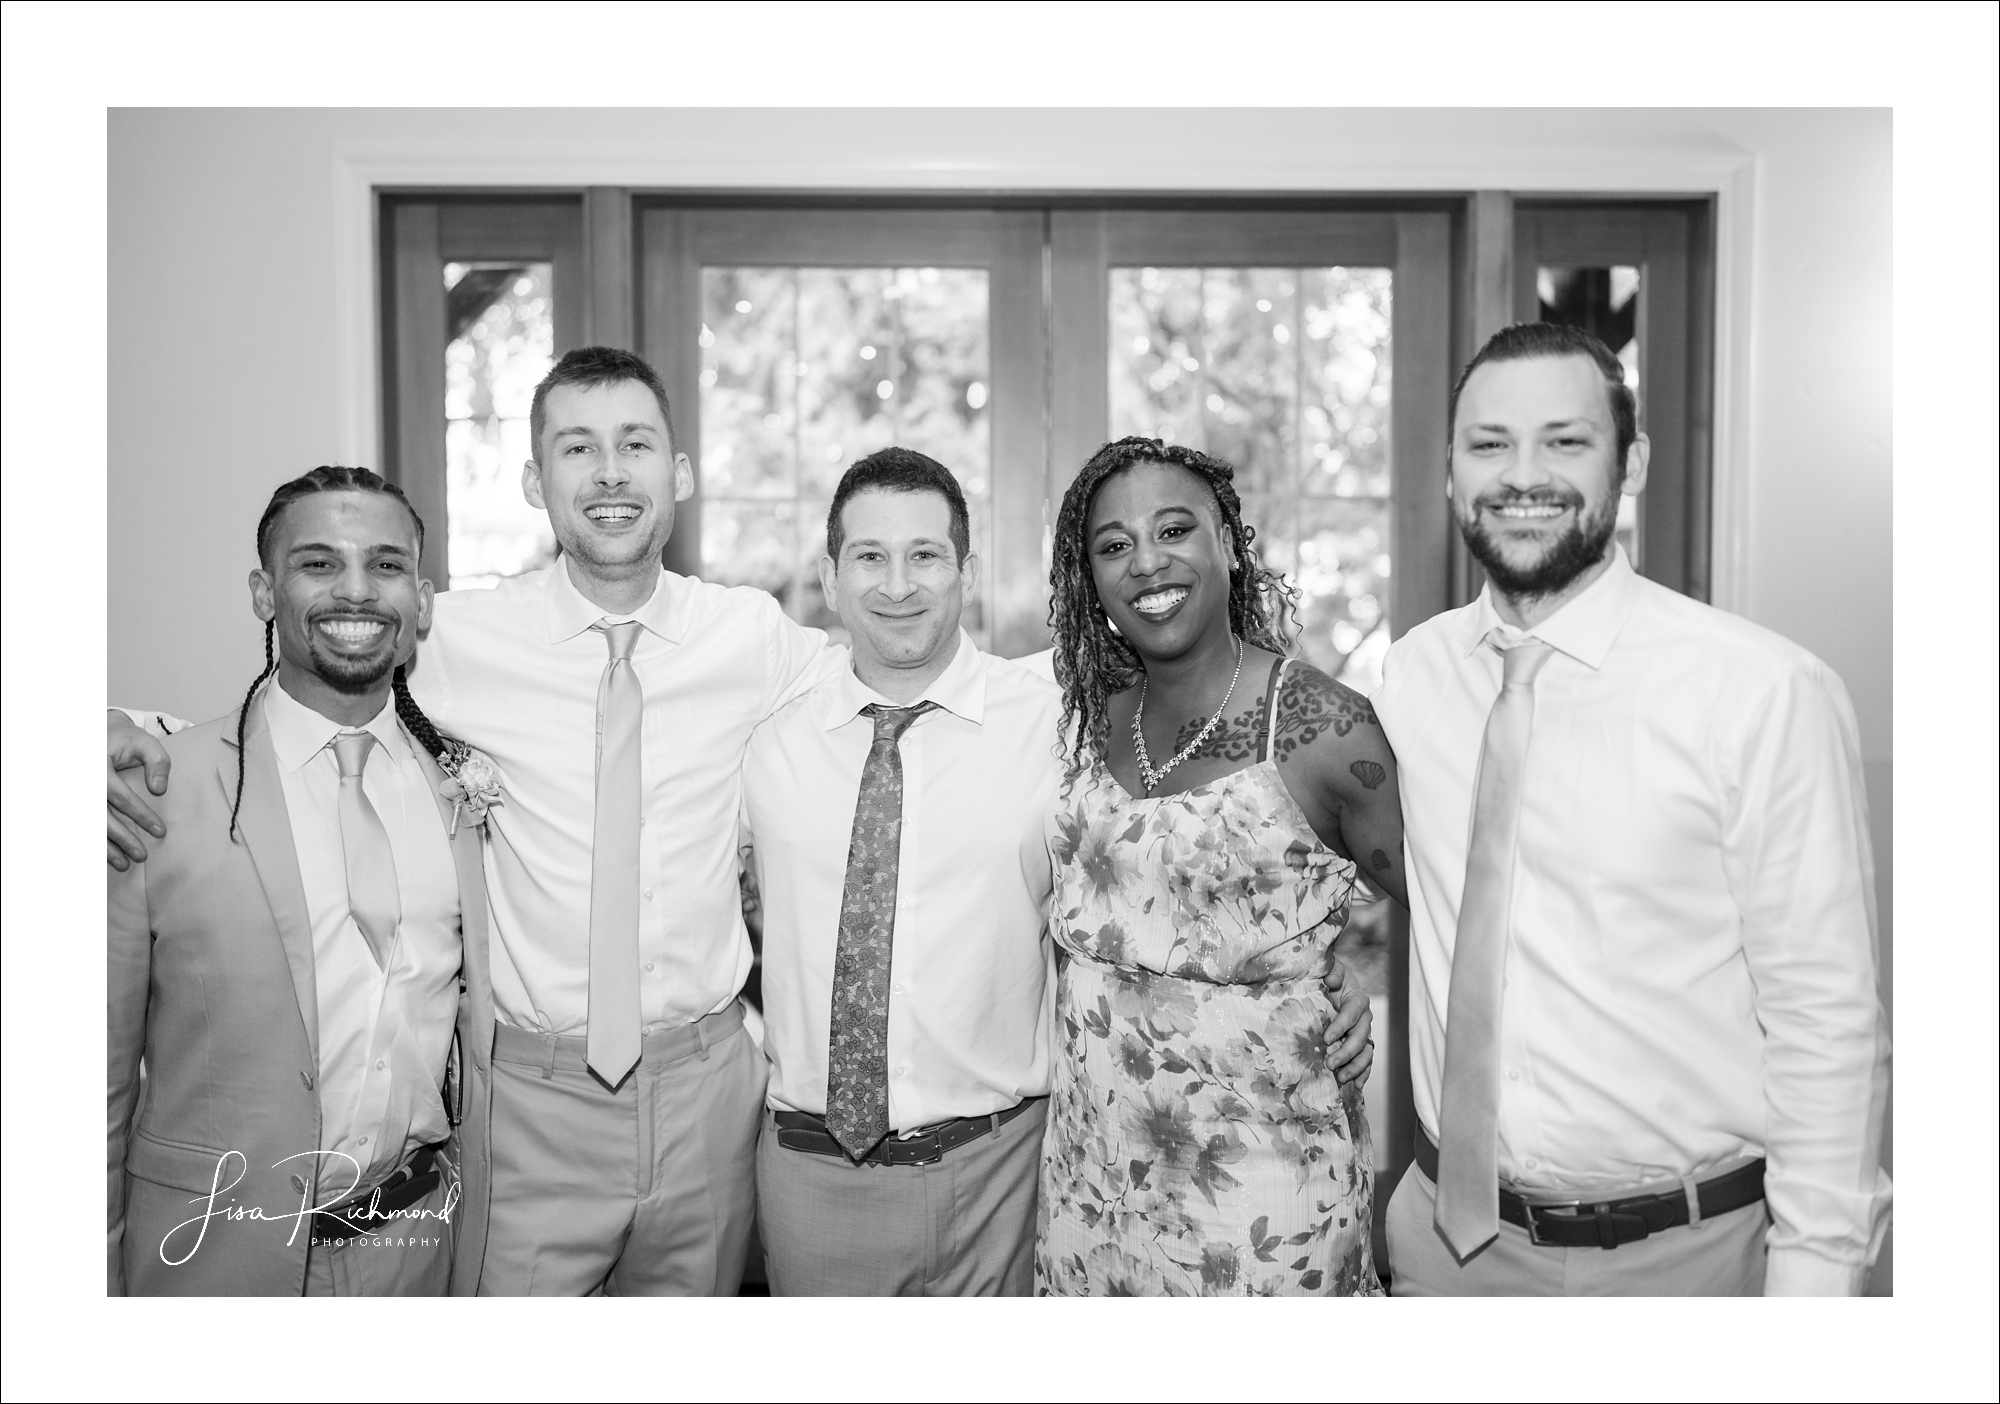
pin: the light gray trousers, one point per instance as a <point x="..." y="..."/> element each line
<point x="963" y="1226"/>
<point x="646" y="1191"/>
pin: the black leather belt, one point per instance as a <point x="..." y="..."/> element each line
<point x="802" y="1131"/>
<point x="1577" y="1223"/>
<point x="357" y="1217"/>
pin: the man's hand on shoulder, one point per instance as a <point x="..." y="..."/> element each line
<point x="130" y="748"/>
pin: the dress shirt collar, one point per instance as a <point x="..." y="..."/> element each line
<point x="1585" y="628"/>
<point x="298" y="733"/>
<point x="569" y="613"/>
<point x="960" y="689"/>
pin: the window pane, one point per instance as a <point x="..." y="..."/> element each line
<point x="501" y="342"/>
<point x="804" y="371"/>
<point x="1605" y="303"/>
<point x="1284" y="373"/>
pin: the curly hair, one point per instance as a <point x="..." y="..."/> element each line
<point x="325" y="479"/>
<point x="1092" y="662"/>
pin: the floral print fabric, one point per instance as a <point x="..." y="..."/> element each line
<point x="1198" y="1142"/>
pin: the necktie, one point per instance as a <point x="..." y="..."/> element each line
<point x="611" y="1045"/>
<point x="1468" y="1189"/>
<point x="372" y="895"/>
<point x="857" y="1064"/>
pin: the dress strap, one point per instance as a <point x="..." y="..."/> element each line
<point x="1271" y="710"/>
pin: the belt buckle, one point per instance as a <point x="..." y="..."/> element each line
<point x="931" y="1154"/>
<point x="1534" y="1211"/>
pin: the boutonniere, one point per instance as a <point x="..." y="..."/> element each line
<point x="471" y="783"/>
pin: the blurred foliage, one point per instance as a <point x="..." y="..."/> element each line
<point x="504" y="320"/>
<point x="1284" y="374"/>
<point x="804" y="371"/>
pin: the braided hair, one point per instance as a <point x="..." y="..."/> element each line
<point x="1092" y="662"/>
<point x="325" y="479"/>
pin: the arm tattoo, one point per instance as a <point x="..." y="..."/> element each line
<point x="1313" y="704"/>
<point x="1380" y="860"/>
<point x="1368" y="773"/>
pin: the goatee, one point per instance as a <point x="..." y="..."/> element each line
<point x="1560" y="562"/>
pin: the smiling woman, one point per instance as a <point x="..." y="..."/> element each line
<point x="1207" y="1133"/>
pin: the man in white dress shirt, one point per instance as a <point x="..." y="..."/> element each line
<point x="898" y="814"/>
<point x="1648" y="1052"/>
<point x="934" y="1194"/>
<point x="616" y="699"/>
<point x="288" y="964"/>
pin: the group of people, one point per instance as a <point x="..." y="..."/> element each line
<point x="426" y="962"/>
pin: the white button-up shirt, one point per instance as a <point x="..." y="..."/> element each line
<point x="514" y="671"/>
<point x="1690" y="975"/>
<point x="383" y="1035"/>
<point x="972" y="974"/>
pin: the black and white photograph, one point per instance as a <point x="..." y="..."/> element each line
<point x="741" y="663"/>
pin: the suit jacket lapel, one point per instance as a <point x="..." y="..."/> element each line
<point x="265" y="825"/>
<point x="468" y="857"/>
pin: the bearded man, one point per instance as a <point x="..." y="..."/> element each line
<point x="1648" y="1052"/>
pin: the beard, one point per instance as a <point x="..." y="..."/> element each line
<point x="350" y="674"/>
<point x="1559" y="562"/>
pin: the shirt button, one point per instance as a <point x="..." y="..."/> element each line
<point x="649" y="965"/>
<point x="381" y="1063"/>
<point x="1532" y="1163"/>
<point x="899" y="1072"/>
<point x="649" y="894"/>
<point x="897" y="988"/>
<point x="298" y="1184"/>
<point x="364" y="1141"/>
<point x="1513" y="1074"/>
<point x="307" y="1079"/>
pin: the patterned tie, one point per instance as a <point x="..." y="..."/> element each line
<point x="1468" y="1188"/>
<point x="857" y="1062"/>
<point x="372" y="895"/>
<point x="611" y="1045"/>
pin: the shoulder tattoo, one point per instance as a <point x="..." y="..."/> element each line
<point x="1234" y="738"/>
<point x="1312" y="704"/>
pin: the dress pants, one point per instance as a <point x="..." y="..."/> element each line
<point x="963" y="1226"/>
<point x="646" y="1191"/>
<point x="405" y="1256"/>
<point x="1719" y="1257"/>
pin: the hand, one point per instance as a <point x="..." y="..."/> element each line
<point x="130" y="746"/>
<point x="1353" y="1023"/>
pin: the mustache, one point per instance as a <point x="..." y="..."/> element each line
<point x="379" y="616"/>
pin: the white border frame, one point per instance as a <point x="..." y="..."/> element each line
<point x="1730" y="175"/>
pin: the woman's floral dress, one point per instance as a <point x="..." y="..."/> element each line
<point x="1198" y="1143"/>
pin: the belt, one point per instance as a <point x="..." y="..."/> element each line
<point x="352" y="1218"/>
<point x="802" y="1131"/>
<point x="1581" y="1223"/>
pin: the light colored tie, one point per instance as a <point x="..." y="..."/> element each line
<point x="1468" y="1188"/>
<point x="612" y="1044"/>
<point x="372" y="894"/>
<point x="857" y="1054"/>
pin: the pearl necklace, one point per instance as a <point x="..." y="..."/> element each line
<point x="1152" y="777"/>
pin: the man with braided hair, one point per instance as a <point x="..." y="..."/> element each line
<point x="292" y="962"/>
<point x="616" y="700"/>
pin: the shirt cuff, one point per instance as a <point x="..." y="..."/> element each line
<point x="1798" y="1272"/>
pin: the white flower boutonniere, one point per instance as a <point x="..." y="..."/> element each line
<point x="471" y="783"/>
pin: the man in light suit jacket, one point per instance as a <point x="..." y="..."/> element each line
<point x="294" y="966"/>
